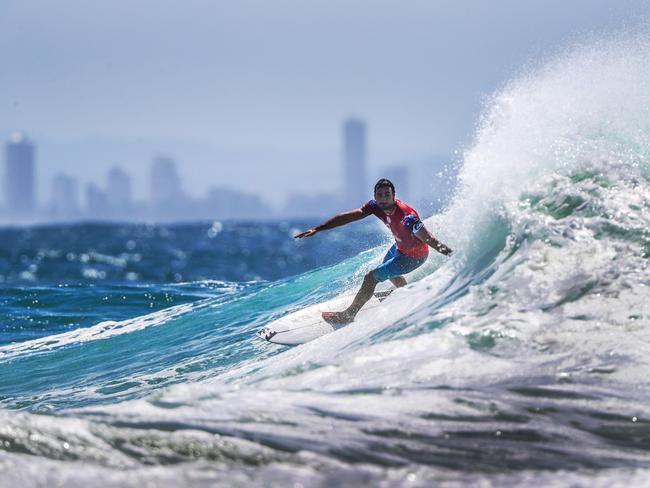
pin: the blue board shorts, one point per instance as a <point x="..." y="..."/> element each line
<point x="396" y="264"/>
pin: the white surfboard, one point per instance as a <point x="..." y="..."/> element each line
<point x="307" y="324"/>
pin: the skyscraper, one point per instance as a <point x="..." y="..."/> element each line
<point x="165" y="182"/>
<point x="96" y="202"/>
<point x="19" y="176"/>
<point x="65" y="197"/>
<point x="118" y="190"/>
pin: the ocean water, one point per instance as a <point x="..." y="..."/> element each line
<point x="128" y="354"/>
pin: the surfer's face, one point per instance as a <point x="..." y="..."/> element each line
<point x="385" y="198"/>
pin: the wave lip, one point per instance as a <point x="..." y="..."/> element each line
<point x="103" y="330"/>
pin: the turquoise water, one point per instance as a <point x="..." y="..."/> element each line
<point x="87" y="340"/>
<point x="128" y="353"/>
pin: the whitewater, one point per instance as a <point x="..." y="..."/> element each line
<point x="522" y="359"/>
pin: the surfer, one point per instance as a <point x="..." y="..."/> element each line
<point x="410" y="251"/>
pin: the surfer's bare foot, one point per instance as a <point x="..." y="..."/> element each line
<point x="337" y="317"/>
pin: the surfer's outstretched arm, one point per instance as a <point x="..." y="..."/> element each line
<point x="336" y="221"/>
<point x="424" y="235"/>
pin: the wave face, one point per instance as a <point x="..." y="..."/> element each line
<point x="524" y="357"/>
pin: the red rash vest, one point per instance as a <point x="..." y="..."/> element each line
<point x="403" y="223"/>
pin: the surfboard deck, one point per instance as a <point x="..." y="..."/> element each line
<point x="307" y="324"/>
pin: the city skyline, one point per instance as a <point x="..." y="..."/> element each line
<point x="112" y="198"/>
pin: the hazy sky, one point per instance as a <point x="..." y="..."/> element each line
<point x="253" y="93"/>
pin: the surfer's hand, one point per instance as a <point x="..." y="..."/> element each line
<point x="307" y="233"/>
<point x="442" y="249"/>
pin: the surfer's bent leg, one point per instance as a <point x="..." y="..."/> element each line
<point x="398" y="281"/>
<point x="363" y="295"/>
<point x="395" y="264"/>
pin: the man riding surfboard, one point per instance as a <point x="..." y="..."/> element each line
<point x="410" y="251"/>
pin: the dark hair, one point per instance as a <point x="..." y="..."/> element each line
<point x="384" y="182"/>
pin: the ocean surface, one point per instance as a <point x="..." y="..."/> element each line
<point x="128" y="354"/>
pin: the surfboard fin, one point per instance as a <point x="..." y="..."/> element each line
<point x="381" y="295"/>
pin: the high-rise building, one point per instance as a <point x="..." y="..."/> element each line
<point x="96" y="202"/>
<point x="165" y="182"/>
<point x="354" y="163"/>
<point x="20" y="176"/>
<point x="118" y="190"/>
<point x="65" y="197"/>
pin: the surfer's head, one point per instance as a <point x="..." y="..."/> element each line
<point x="385" y="194"/>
